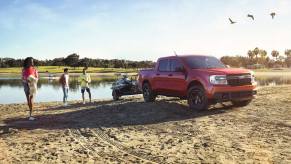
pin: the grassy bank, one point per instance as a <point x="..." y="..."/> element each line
<point x="59" y="69"/>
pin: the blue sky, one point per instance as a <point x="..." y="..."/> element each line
<point x="141" y="29"/>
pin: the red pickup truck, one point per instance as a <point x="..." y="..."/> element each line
<point x="202" y="80"/>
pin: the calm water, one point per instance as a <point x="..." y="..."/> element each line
<point x="11" y="89"/>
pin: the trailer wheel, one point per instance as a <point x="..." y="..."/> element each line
<point x="148" y="94"/>
<point x="115" y="95"/>
<point x="197" y="99"/>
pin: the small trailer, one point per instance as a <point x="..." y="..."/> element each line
<point x="124" y="86"/>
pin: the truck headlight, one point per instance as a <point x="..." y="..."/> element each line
<point x="218" y="79"/>
<point x="253" y="79"/>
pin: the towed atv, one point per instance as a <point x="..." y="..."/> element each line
<point x="124" y="86"/>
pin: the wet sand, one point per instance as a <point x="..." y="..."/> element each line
<point x="131" y="131"/>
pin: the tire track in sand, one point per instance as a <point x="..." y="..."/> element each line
<point x="90" y="148"/>
<point x="119" y="155"/>
<point x="143" y="156"/>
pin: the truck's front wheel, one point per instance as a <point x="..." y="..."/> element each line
<point x="197" y="99"/>
<point x="241" y="103"/>
<point x="148" y="94"/>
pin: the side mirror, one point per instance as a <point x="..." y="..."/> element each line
<point x="181" y="69"/>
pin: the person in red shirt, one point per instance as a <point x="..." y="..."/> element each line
<point x="29" y="81"/>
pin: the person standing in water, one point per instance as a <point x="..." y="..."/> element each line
<point x="64" y="80"/>
<point x="85" y="79"/>
<point x="29" y="81"/>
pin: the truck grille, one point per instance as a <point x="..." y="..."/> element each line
<point x="239" y="80"/>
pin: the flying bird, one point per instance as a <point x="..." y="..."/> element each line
<point x="273" y="15"/>
<point x="251" y="16"/>
<point x="231" y="21"/>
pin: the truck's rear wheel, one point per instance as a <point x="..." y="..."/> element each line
<point x="241" y="103"/>
<point x="115" y="95"/>
<point x="197" y="98"/>
<point x="148" y="94"/>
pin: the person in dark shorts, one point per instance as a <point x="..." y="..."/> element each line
<point x="84" y="80"/>
<point x="29" y="81"/>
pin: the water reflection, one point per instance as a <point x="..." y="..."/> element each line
<point x="16" y="82"/>
<point x="273" y="80"/>
<point x="11" y="90"/>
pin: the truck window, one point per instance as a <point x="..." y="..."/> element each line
<point x="203" y="62"/>
<point x="164" y="65"/>
<point x="176" y="66"/>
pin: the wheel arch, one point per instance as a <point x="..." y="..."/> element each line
<point x="195" y="83"/>
<point x="146" y="81"/>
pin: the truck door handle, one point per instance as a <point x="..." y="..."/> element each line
<point x="170" y="75"/>
<point x="158" y="74"/>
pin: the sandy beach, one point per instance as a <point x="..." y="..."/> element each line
<point x="166" y="131"/>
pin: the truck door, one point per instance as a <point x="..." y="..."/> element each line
<point x="160" y="78"/>
<point x="176" y="78"/>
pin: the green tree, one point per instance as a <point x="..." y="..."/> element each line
<point x="288" y="57"/>
<point x="263" y="54"/>
<point x="256" y="52"/>
<point x="263" y="57"/>
<point x="72" y="60"/>
<point x="251" y="55"/>
<point x="275" y="54"/>
<point x="288" y="52"/>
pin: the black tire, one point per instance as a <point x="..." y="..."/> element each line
<point x="197" y="99"/>
<point x="148" y="94"/>
<point x="115" y="95"/>
<point x="241" y="103"/>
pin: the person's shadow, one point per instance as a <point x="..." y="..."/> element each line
<point x="114" y="114"/>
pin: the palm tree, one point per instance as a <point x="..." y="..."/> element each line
<point x="288" y="52"/>
<point x="251" y="54"/>
<point x="275" y="54"/>
<point x="288" y="59"/>
<point x="256" y="52"/>
<point x="263" y="54"/>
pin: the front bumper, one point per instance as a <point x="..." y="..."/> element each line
<point x="228" y="96"/>
<point x="228" y="93"/>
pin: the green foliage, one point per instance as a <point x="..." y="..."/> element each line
<point x="288" y="52"/>
<point x="74" y="62"/>
<point x="275" y="54"/>
<point x="236" y="61"/>
<point x="259" y="58"/>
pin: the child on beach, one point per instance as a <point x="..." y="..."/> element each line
<point x="85" y="79"/>
<point x="29" y="81"/>
<point x="64" y="80"/>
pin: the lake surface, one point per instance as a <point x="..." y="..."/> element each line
<point x="11" y="89"/>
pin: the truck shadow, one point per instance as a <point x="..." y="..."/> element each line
<point x="114" y="114"/>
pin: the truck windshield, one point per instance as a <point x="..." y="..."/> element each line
<point x="204" y="62"/>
